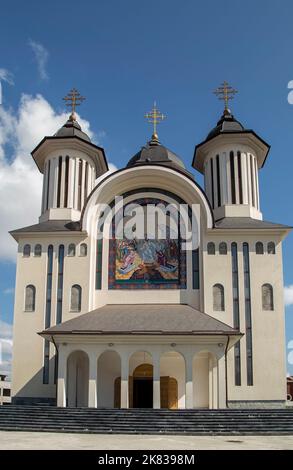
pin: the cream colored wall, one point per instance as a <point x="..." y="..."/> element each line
<point x="268" y="333"/>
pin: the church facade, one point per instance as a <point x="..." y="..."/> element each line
<point x="105" y="319"/>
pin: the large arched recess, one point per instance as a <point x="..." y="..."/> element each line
<point x="145" y="176"/>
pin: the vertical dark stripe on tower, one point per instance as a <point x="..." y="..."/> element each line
<point x="236" y="317"/>
<point x="240" y="178"/>
<point x="251" y="177"/>
<point x="59" y="181"/>
<point x="248" y="324"/>
<point x="218" y="181"/>
<point x="212" y="181"/>
<point x="48" y="184"/>
<point x="232" y="171"/>
<point x="48" y="313"/>
<point x="66" y="182"/>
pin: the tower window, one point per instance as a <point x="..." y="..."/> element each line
<point x="83" y="249"/>
<point x="211" y="248"/>
<point x="267" y="297"/>
<point x="59" y="181"/>
<point x="75" y="301"/>
<point x="212" y="182"/>
<point x="38" y="250"/>
<point x="26" y="251"/>
<point x="232" y="171"/>
<point x="218" y="181"/>
<point x="195" y="269"/>
<point x="271" y="248"/>
<point x="252" y="181"/>
<point x="259" y="248"/>
<point x="30" y="298"/>
<point x="240" y="178"/>
<point x="71" y="249"/>
<point x="223" y="248"/>
<point x="218" y="298"/>
<point x="66" y="181"/>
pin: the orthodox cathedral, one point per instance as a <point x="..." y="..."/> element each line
<point x="107" y="320"/>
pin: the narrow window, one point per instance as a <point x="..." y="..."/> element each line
<point x="271" y="248"/>
<point x="232" y="171"/>
<point x="223" y="248"/>
<point x="218" y="298"/>
<point x="252" y="184"/>
<point x="26" y="251"/>
<point x="30" y="298"/>
<point x="218" y="181"/>
<point x="75" y="302"/>
<point x="99" y="263"/>
<point x="259" y="248"/>
<point x="38" y="250"/>
<point x="60" y="284"/>
<point x="71" y="249"/>
<point x="211" y="248"/>
<point x="83" y="249"/>
<point x="85" y="182"/>
<point x="79" y="183"/>
<point x="248" y="322"/>
<point x="48" y="313"/>
<point x="66" y="181"/>
<point x="240" y="178"/>
<point x="48" y="184"/>
<point x="59" y="181"/>
<point x="195" y="269"/>
<point x="267" y="297"/>
<point x="235" y="291"/>
<point x="212" y="181"/>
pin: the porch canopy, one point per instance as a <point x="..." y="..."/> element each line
<point x="144" y="319"/>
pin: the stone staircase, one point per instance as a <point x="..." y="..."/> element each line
<point x="146" y="421"/>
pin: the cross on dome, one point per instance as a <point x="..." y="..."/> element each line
<point x="73" y="99"/>
<point x="155" y="117"/>
<point x="226" y="93"/>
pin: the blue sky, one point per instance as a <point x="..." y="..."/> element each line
<point x="123" y="55"/>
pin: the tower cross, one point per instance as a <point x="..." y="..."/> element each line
<point x="73" y="99"/>
<point x="155" y="117"/>
<point x="225" y="92"/>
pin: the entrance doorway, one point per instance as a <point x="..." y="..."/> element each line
<point x="143" y="386"/>
<point x="142" y="392"/>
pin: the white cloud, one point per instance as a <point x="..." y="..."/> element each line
<point x="290" y="344"/>
<point x="20" y="180"/>
<point x="8" y="291"/>
<point x="288" y="295"/>
<point x="6" y="76"/>
<point x="41" y="55"/>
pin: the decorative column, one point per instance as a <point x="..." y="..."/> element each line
<point x="189" y="382"/>
<point x="92" y="392"/>
<point x="222" y="382"/>
<point x="156" y="382"/>
<point x="61" y="381"/>
<point x="124" y="381"/>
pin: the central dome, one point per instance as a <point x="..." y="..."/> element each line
<point x="154" y="153"/>
<point x="72" y="129"/>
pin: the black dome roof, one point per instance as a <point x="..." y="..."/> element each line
<point x="72" y="129"/>
<point x="154" y="153"/>
<point x="227" y="123"/>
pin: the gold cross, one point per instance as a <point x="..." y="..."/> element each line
<point x="73" y="99"/>
<point x="225" y="92"/>
<point x="155" y="117"/>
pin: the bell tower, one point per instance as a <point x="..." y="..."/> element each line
<point x="70" y="164"/>
<point x="230" y="158"/>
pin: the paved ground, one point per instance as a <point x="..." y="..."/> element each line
<point x="32" y="440"/>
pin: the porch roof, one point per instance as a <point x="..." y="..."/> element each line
<point x="143" y="319"/>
